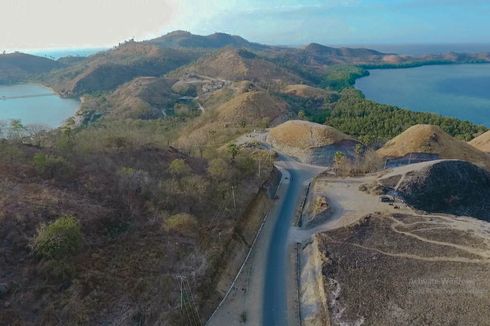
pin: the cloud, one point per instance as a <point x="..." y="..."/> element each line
<point x="59" y="23"/>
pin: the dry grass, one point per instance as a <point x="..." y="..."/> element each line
<point x="302" y="90"/>
<point x="252" y="108"/>
<point x="432" y="139"/>
<point x="237" y="65"/>
<point x="482" y="142"/>
<point x="386" y="272"/>
<point x="304" y="134"/>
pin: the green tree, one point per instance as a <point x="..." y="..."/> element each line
<point x="339" y="160"/>
<point x="51" y="166"/>
<point x="179" y="167"/>
<point x="301" y="115"/>
<point x="218" y="169"/>
<point x="59" y="240"/>
<point x="234" y="150"/>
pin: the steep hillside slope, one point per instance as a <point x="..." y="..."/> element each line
<point x="237" y="65"/>
<point x="252" y="108"/>
<point x="432" y="140"/>
<point x="18" y="66"/>
<point x="482" y="142"/>
<point x="454" y="187"/>
<point x="143" y="98"/>
<point x="107" y="70"/>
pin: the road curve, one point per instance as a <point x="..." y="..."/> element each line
<point x="275" y="309"/>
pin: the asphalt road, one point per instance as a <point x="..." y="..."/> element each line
<point x="275" y="309"/>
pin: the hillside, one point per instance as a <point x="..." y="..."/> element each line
<point x="18" y="66"/>
<point x="304" y="134"/>
<point x="482" y="142"/>
<point x="306" y="91"/>
<point x="311" y="142"/>
<point x="452" y="187"/>
<point x="182" y="39"/>
<point x="252" y="108"/>
<point x="143" y="98"/>
<point x="107" y="70"/>
<point x="432" y="140"/>
<point x="237" y="65"/>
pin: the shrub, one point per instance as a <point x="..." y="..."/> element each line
<point x="179" y="167"/>
<point x="58" y="240"/>
<point x="51" y="166"/>
<point x="219" y="169"/>
<point x="183" y="223"/>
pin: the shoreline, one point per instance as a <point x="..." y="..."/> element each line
<point x="427" y="108"/>
<point x="51" y="90"/>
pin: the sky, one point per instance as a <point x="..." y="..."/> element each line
<point x="32" y="24"/>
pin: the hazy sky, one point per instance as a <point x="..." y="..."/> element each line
<point x="28" y="24"/>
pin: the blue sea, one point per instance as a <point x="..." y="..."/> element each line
<point x="460" y="91"/>
<point x="59" y="53"/>
<point x="35" y="104"/>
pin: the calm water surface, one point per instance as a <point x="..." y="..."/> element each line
<point x="460" y="91"/>
<point x="49" y="109"/>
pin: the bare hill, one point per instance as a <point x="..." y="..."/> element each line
<point x="449" y="186"/>
<point x="143" y="98"/>
<point x="482" y="142"/>
<point x="237" y="65"/>
<point x="305" y="134"/>
<point x="432" y="139"/>
<point x="253" y="108"/>
<point x="311" y="142"/>
<point x="17" y="66"/>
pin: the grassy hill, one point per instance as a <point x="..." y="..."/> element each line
<point x="304" y="134"/>
<point x="107" y="70"/>
<point x="182" y="39"/>
<point x="236" y="65"/>
<point x="18" y="66"/>
<point x="432" y="140"/>
<point x="482" y="142"/>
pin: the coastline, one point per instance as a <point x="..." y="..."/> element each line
<point x="51" y="90"/>
<point x="444" y="104"/>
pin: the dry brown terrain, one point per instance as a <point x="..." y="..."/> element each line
<point x="302" y="90"/>
<point x="304" y="134"/>
<point x="482" y="142"/>
<point x="408" y="270"/>
<point x="236" y="65"/>
<point x="432" y="139"/>
<point x="311" y="142"/>
<point x="387" y="265"/>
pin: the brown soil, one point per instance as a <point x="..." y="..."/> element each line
<point x="482" y="142"/>
<point x="383" y="277"/>
<point x="432" y="139"/>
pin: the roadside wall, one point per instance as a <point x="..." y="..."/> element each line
<point x="246" y="231"/>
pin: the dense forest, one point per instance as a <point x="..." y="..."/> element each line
<point x="375" y="123"/>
